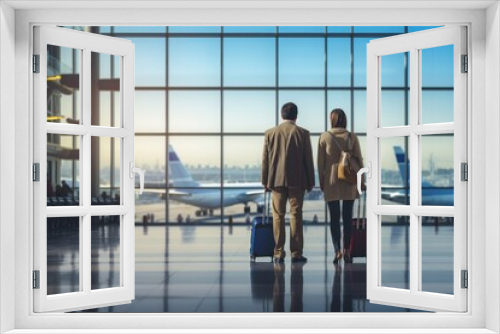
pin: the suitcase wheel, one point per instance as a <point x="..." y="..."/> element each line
<point x="252" y="258"/>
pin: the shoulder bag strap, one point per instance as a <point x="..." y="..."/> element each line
<point x="349" y="143"/>
<point x="335" y="140"/>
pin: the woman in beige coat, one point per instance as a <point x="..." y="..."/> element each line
<point x="336" y="190"/>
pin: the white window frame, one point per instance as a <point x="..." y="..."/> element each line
<point x="85" y="297"/>
<point x="484" y="49"/>
<point x="414" y="43"/>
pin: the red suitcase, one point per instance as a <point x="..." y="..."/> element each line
<point x="357" y="247"/>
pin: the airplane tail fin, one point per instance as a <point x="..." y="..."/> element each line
<point x="401" y="159"/>
<point x="178" y="174"/>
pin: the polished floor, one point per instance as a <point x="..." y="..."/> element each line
<point x="206" y="268"/>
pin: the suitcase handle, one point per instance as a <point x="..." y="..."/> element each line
<point x="265" y="211"/>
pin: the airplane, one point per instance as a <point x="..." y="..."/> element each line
<point x="431" y="195"/>
<point x="206" y="196"/>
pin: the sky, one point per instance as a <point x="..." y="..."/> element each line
<point x="197" y="115"/>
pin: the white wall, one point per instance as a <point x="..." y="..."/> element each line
<point x="492" y="148"/>
<point x="7" y="158"/>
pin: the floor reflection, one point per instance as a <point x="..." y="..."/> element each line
<point x="207" y="269"/>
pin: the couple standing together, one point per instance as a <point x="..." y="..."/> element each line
<point x="288" y="171"/>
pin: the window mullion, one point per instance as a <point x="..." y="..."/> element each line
<point x="85" y="181"/>
<point x="415" y="182"/>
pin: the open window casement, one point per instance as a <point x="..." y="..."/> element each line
<point x="429" y="141"/>
<point x="83" y="170"/>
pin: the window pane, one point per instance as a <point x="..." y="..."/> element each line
<point x="314" y="144"/>
<point x="239" y="212"/>
<point x="362" y="143"/>
<point x="437" y="254"/>
<point x="262" y="29"/>
<point x="105" y="170"/>
<point x="339" y="29"/>
<point x="188" y="29"/>
<point x="194" y="62"/>
<point x="437" y="71"/>
<point x="314" y="208"/>
<point x="393" y="69"/>
<point x="63" y="170"/>
<point x="437" y="106"/>
<point x="392" y="108"/>
<point x="63" y="85"/>
<point x="395" y="261"/>
<point x="416" y="28"/>
<point x="339" y="62"/>
<point x="249" y="111"/>
<point x="194" y="161"/>
<point x="105" y="248"/>
<point x="339" y="99"/>
<point x="243" y="159"/>
<point x="63" y="255"/>
<point x="139" y="29"/>
<point x="249" y="62"/>
<point x="150" y="156"/>
<point x="193" y="206"/>
<point x="394" y="170"/>
<point x="360" y="61"/>
<point x="150" y="61"/>
<point x="437" y="67"/>
<point x="301" y="62"/>
<point x="312" y="29"/>
<point x="311" y="107"/>
<point x="104" y="117"/>
<point x="149" y="115"/>
<point x="314" y="204"/>
<point x="437" y="170"/>
<point x="359" y="111"/>
<point x="381" y="29"/>
<point x="105" y="74"/>
<point x="194" y="111"/>
<point x="242" y="174"/>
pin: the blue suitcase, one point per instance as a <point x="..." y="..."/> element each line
<point x="262" y="237"/>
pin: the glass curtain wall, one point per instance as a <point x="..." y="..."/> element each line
<point x="206" y="95"/>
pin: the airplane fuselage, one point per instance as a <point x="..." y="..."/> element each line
<point x="209" y="197"/>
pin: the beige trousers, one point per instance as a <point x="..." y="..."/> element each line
<point x="280" y="198"/>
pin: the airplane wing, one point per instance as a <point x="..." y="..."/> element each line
<point x="393" y="195"/>
<point x="255" y="192"/>
<point x="173" y="193"/>
<point x="254" y="195"/>
<point x="176" y="193"/>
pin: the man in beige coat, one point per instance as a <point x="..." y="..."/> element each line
<point x="288" y="171"/>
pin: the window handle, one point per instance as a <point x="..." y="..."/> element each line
<point x="135" y="170"/>
<point x="368" y="170"/>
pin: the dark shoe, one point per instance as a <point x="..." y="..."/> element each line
<point x="299" y="259"/>
<point x="338" y="256"/>
<point x="347" y="257"/>
<point x="278" y="259"/>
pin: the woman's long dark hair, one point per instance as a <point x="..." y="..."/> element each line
<point x="338" y="118"/>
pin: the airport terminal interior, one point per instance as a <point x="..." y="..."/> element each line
<point x="204" y="96"/>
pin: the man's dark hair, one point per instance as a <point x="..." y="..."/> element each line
<point x="289" y="111"/>
<point x="338" y="118"/>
